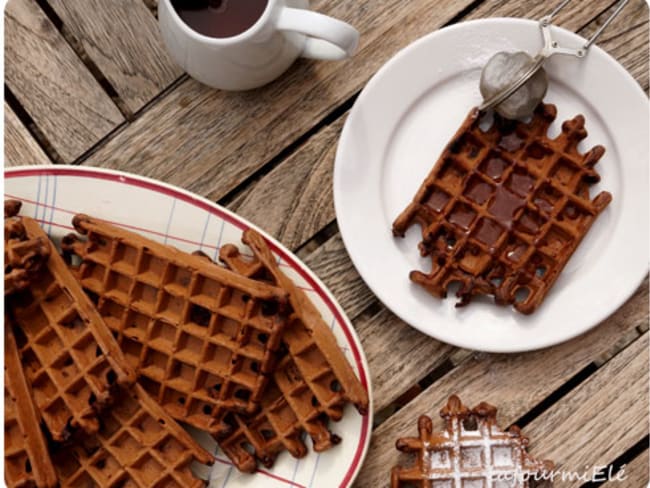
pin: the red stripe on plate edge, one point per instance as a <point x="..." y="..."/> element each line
<point x="213" y="209"/>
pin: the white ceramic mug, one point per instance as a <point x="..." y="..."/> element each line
<point x="285" y="31"/>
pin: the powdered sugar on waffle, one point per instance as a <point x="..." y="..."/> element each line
<point x="473" y="452"/>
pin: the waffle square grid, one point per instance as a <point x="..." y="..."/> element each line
<point x="138" y="446"/>
<point x="311" y="385"/>
<point x="68" y="355"/>
<point x="504" y="209"/>
<point x="202" y="339"/>
<point x="472" y="452"/>
<point x="27" y="461"/>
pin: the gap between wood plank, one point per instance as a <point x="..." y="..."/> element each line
<point x="24" y="117"/>
<point x="278" y="157"/>
<point x="581" y="376"/>
<point x="288" y="151"/>
<point x="299" y="142"/>
<point x="317" y="240"/>
<point x="77" y="47"/>
<point x="102" y="142"/>
<point x="632" y="454"/>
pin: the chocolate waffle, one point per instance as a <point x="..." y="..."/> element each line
<point x="27" y="462"/>
<point x="69" y="357"/>
<point x="23" y="257"/>
<point x="471" y="451"/>
<point x="503" y="210"/>
<point x="138" y="446"/>
<point x="202" y="338"/>
<point x="311" y="385"/>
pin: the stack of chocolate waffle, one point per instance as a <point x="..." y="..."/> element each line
<point x="311" y="385"/>
<point x="503" y="210"/>
<point x="121" y="337"/>
<point x="190" y="328"/>
<point x="70" y="416"/>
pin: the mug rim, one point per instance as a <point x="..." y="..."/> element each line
<point x="222" y="41"/>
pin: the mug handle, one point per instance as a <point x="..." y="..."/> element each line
<point x="327" y="38"/>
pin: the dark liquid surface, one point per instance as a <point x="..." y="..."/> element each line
<point x="220" y="18"/>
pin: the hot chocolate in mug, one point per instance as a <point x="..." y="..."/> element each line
<point x="250" y="47"/>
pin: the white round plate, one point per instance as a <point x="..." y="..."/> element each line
<point x="52" y="195"/>
<point x="399" y="126"/>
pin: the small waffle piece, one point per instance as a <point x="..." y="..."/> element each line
<point x="12" y="208"/>
<point x="471" y="451"/>
<point x="23" y="257"/>
<point x="68" y="354"/>
<point x="503" y="210"/>
<point x="190" y="327"/>
<point x="138" y="446"/>
<point x="311" y="385"/>
<point x="27" y="462"/>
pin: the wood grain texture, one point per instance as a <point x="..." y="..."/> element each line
<point x="218" y="152"/>
<point x="398" y="355"/>
<point x="600" y="419"/>
<point x="294" y="201"/>
<point x="332" y="265"/>
<point x="20" y="147"/>
<point x="573" y="17"/>
<point x="55" y="88"/>
<point x="628" y="41"/>
<point x="637" y="472"/>
<point x="220" y="138"/>
<point x="123" y="40"/>
<point x="514" y="383"/>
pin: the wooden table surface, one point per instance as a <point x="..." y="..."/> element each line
<point x="88" y="82"/>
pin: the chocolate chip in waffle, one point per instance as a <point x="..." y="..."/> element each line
<point x="311" y="385"/>
<point x="472" y="451"/>
<point x="27" y="461"/>
<point x="138" y="446"/>
<point x="68" y="355"/>
<point x="503" y="210"/>
<point x="202" y="338"/>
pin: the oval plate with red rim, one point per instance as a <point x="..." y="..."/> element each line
<point x="52" y="195"/>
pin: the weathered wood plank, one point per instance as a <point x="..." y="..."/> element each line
<point x="637" y="472"/>
<point x="281" y="111"/>
<point x="332" y="265"/>
<point x="123" y="40"/>
<point x="20" y="147"/>
<point x="386" y="339"/>
<point x="55" y="88"/>
<point x="515" y="383"/>
<point x="217" y="152"/>
<point x="628" y="41"/>
<point x="631" y="315"/>
<point x="398" y="355"/>
<point x="294" y="201"/>
<point x="600" y="419"/>
<point x="572" y="17"/>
